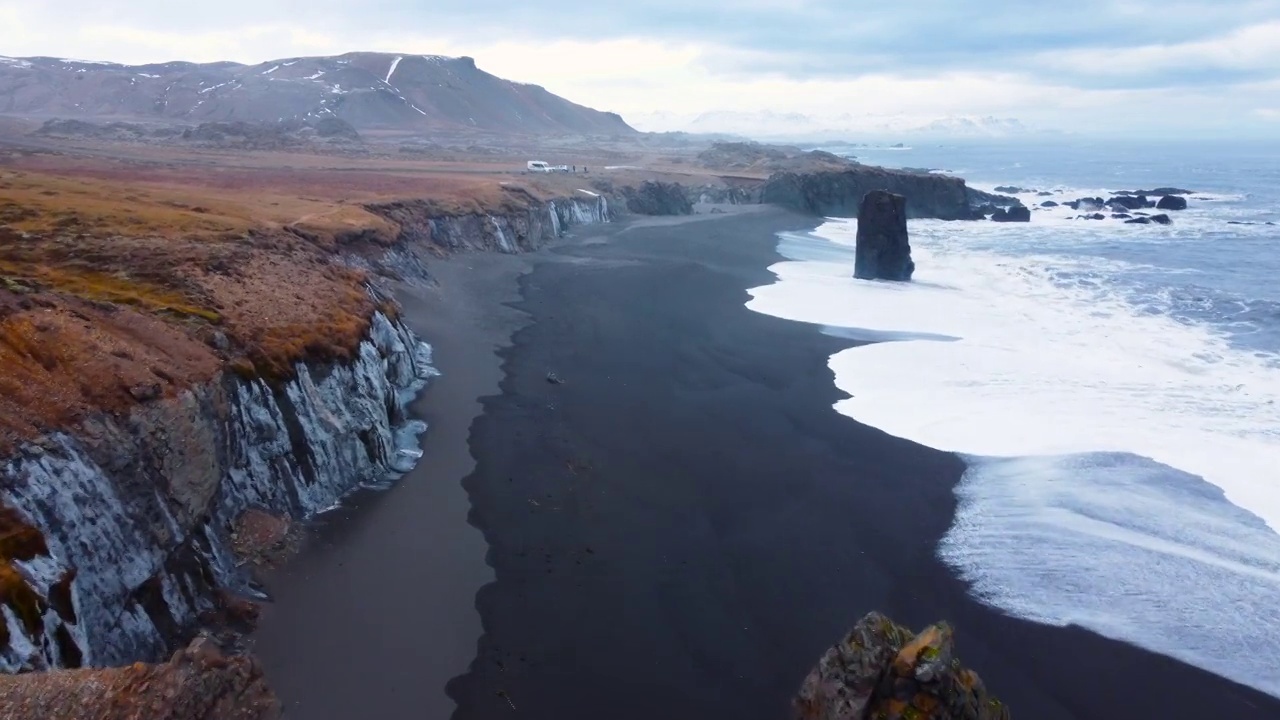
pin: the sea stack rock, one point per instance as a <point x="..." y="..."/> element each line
<point x="883" y="252"/>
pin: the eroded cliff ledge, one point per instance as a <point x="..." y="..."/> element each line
<point x="197" y="682"/>
<point x="167" y="367"/>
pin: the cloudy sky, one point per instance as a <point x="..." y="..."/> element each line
<point x="1181" y="67"/>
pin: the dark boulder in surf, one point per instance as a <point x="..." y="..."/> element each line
<point x="881" y="670"/>
<point x="1015" y="214"/>
<point x="1138" y="221"/>
<point x="1092" y="216"/>
<point x="883" y="250"/>
<point x="1162" y="219"/>
<point x="1128" y="202"/>
<point x="1172" y="202"/>
<point x="1048" y="204"/>
<point x="1155" y="191"/>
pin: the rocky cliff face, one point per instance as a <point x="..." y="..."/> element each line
<point x="881" y="671"/>
<point x="838" y="194"/>
<point x="124" y="521"/>
<point x="520" y="229"/>
<point x="116" y="529"/>
<point x="658" y="198"/>
<point x="744" y="194"/>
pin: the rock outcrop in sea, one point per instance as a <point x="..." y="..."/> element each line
<point x="840" y="193"/>
<point x="1172" y="202"/>
<point x="883" y="250"/>
<point x="881" y="671"/>
<point x="1017" y="213"/>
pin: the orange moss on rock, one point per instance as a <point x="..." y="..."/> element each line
<point x="42" y="203"/>
<point x="198" y="682"/>
<point x="287" y="308"/>
<point x="61" y="358"/>
<point x="101" y="324"/>
<point x="123" y="281"/>
<point x="18" y="541"/>
<point x="91" y="285"/>
<point x="344" y="227"/>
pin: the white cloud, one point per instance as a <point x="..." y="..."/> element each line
<point x="1255" y="47"/>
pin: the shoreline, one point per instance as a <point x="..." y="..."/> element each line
<point x="678" y="530"/>
<point x="693" y="524"/>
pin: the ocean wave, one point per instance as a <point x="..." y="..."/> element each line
<point x="1112" y="415"/>
<point x="1128" y="548"/>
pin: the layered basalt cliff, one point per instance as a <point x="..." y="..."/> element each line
<point x="125" y="520"/>
<point x="839" y="193"/>
<point x="523" y="226"/>
<point x="164" y="378"/>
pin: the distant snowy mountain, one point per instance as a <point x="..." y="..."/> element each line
<point x="797" y="127"/>
<point x="367" y="90"/>
<point x="974" y="127"/>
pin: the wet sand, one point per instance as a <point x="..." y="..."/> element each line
<point x="676" y="531"/>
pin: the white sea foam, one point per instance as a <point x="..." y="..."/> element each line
<point x="1089" y="425"/>
<point x="1204" y="209"/>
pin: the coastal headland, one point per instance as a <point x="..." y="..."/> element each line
<point x="632" y="497"/>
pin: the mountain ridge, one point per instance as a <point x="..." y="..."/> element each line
<point x="393" y="91"/>
<point x="789" y="126"/>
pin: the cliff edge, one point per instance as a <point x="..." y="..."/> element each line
<point x="197" y="682"/>
<point x="879" y="671"/>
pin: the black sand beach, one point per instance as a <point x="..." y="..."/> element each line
<point x="685" y="524"/>
<point x="678" y="530"/>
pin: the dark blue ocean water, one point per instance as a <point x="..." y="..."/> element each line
<point x="1204" y="270"/>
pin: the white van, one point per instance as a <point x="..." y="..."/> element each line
<point x="538" y="166"/>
